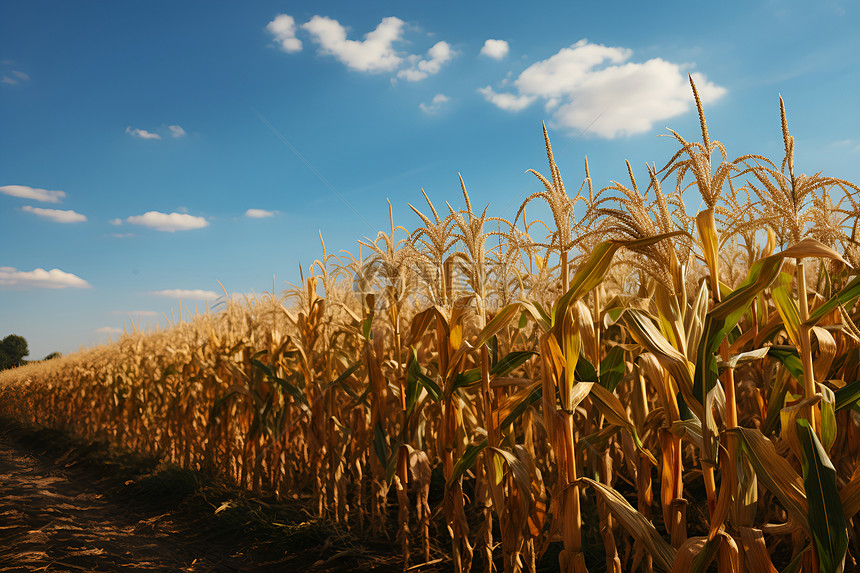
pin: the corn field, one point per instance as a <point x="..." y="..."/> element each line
<point x="666" y="391"/>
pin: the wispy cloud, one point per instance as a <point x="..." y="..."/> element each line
<point x="440" y="54"/>
<point x="56" y="215"/>
<point x="187" y="294"/>
<point x="595" y="87"/>
<point x="109" y="330"/>
<point x="141" y="133"/>
<point x="375" y="53"/>
<point x="439" y="100"/>
<point x="39" y="278"/>
<point x="176" y="131"/>
<point x="16" y="77"/>
<point x="115" y="222"/>
<point x="283" y="28"/>
<point x="33" y="193"/>
<point x="259" y="213"/>
<point x="496" y="49"/>
<point x="506" y="101"/>
<point x="136" y="312"/>
<point x="168" y="222"/>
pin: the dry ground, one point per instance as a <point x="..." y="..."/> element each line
<point x="68" y="507"/>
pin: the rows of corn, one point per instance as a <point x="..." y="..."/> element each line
<point x="624" y="379"/>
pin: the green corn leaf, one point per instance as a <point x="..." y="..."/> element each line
<point x="612" y="368"/>
<point x="789" y="358"/>
<point x="844" y="297"/>
<point x="786" y="307"/>
<point x="466" y="461"/>
<point x="414" y="371"/>
<point x="380" y="444"/>
<point x="826" y="519"/>
<point x="848" y="396"/>
<point x="510" y="362"/>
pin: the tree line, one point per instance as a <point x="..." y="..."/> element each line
<point x="13" y="349"/>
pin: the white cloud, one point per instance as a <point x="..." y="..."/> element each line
<point x="283" y="28"/>
<point x="40" y="278"/>
<point x="109" y="330"/>
<point x="136" y="312"/>
<point x="506" y="101"/>
<point x="116" y="222"/>
<point x="258" y="213"/>
<point x="195" y="294"/>
<point x="595" y="87"/>
<point x="373" y="54"/>
<point x="142" y="133"/>
<point x="56" y="215"/>
<point x="176" y="130"/>
<point x="439" y="100"/>
<point x="168" y="222"/>
<point x="437" y="56"/>
<point x="496" y="49"/>
<point x="32" y="193"/>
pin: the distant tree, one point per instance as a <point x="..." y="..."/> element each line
<point x="13" y="349"/>
<point x="53" y="355"/>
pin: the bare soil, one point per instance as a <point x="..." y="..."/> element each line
<point x="65" y="506"/>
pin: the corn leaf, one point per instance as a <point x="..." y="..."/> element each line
<point x="510" y="362"/>
<point x="775" y="473"/>
<point x="789" y="358"/>
<point x="498" y="323"/>
<point x="755" y="551"/>
<point x="635" y="523"/>
<point x="466" y="461"/>
<point x="611" y="407"/>
<point x="848" y="396"/>
<point x="850" y="496"/>
<point x="786" y="307"/>
<point x="844" y="297"/>
<point x="592" y="272"/>
<point x="707" y="228"/>
<point x="612" y="368"/>
<point x="743" y="358"/>
<point x="826" y="520"/>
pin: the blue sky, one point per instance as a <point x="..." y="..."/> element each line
<point x="138" y="140"/>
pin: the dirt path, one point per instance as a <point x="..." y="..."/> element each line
<point x="53" y="520"/>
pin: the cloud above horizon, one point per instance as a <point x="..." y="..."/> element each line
<point x="141" y="133"/>
<point x="56" y="215"/>
<point x="259" y="213"/>
<point x="438" y="102"/>
<point x="374" y="54"/>
<point x="34" y="193"/>
<point x="108" y="330"/>
<point x="136" y="312"/>
<point x="440" y="54"/>
<point x="187" y="294"/>
<point x="39" y="278"/>
<point x="168" y="222"/>
<point x="596" y="88"/>
<point x="495" y="49"/>
<point x="283" y="28"/>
